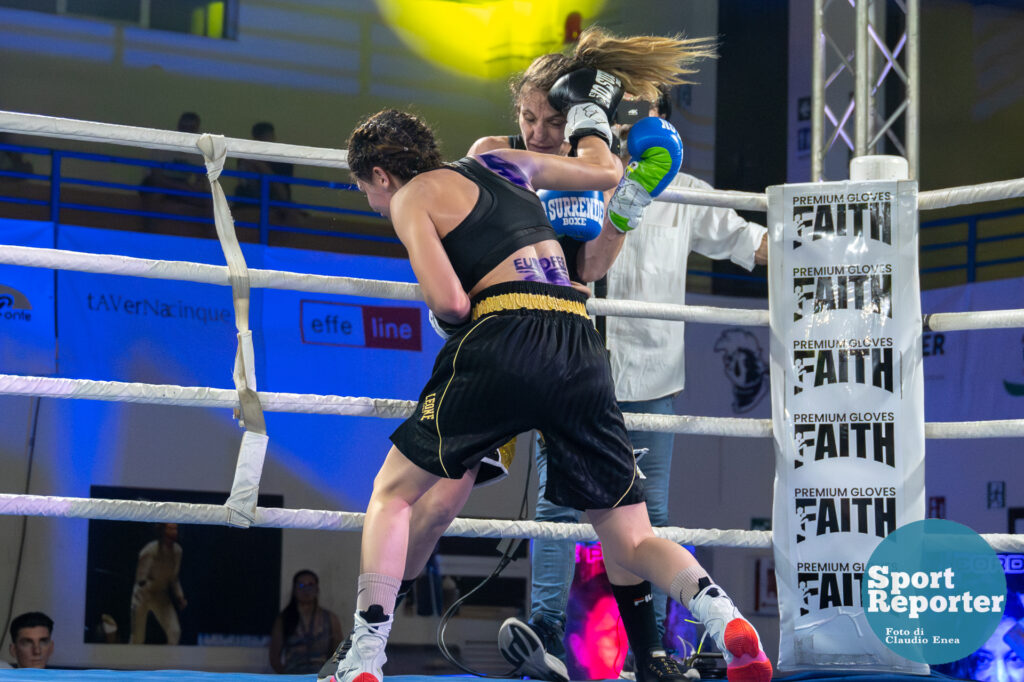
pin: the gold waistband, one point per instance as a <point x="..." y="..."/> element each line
<point x="521" y="301"/>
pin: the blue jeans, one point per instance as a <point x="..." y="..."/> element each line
<point x="554" y="561"/>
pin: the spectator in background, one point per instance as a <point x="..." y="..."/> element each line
<point x="250" y="187"/>
<point x="304" y="633"/>
<point x="32" y="639"/>
<point x="104" y="631"/>
<point x="169" y="178"/>
<point x="1000" y="658"/>
<point x="156" y="582"/>
<point x="12" y="161"/>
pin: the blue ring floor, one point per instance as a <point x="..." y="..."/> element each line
<point x="195" y="676"/>
<point x="190" y="676"/>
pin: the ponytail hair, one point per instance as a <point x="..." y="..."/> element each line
<point x="644" y="64"/>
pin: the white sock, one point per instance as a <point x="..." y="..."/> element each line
<point x="685" y="585"/>
<point x="376" y="588"/>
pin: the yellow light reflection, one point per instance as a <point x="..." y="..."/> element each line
<point x="487" y="39"/>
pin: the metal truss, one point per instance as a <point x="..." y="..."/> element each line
<point x="848" y="73"/>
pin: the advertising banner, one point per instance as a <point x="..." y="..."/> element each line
<point x="28" y="342"/>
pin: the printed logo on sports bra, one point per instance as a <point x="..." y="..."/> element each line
<point x="428" y="408"/>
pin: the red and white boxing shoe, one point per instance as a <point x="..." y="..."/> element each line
<point x="733" y="634"/>
<point x="365" y="658"/>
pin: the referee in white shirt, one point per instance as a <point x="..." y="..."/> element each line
<point x="647" y="356"/>
<point x="647" y="368"/>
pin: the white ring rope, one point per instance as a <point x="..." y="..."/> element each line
<point x="311" y="519"/>
<point x="741" y="201"/>
<point x="996" y="428"/>
<point x="310" y="403"/>
<point x="982" y="319"/>
<point x="108" y="264"/>
<point x="58" y="259"/>
<point x="152" y="138"/>
<point x="671" y="311"/>
<point x="171" y="140"/>
<point x="199" y="396"/>
<point x="971" y="194"/>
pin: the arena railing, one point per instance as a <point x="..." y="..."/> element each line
<point x="971" y="241"/>
<point x="58" y="179"/>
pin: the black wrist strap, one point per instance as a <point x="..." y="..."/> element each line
<point x="579" y="134"/>
<point x="600" y="321"/>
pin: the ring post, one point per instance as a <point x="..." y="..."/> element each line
<point x="847" y="403"/>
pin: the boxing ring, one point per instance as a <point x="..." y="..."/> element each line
<point x="249" y="404"/>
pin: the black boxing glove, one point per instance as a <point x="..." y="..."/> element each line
<point x="588" y="97"/>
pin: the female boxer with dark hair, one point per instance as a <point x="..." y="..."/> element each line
<point x="522" y="354"/>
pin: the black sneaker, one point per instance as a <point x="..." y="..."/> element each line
<point x="628" y="671"/>
<point x="533" y="648"/>
<point x="331" y="666"/>
<point x="660" y="666"/>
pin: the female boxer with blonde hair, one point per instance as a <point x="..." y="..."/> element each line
<point x="536" y="647"/>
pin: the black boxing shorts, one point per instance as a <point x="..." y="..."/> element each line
<point x="529" y="358"/>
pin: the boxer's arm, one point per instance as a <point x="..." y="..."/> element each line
<point x="489" y="144"/>
<point x="590" y="259"/>
<point x="595" y="167"/>
<point x="442" y="291"/>
<point x="596" y="257"/>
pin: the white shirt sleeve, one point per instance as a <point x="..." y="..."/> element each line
<point x="720" y="233"/>
<point x="648" y="357"/>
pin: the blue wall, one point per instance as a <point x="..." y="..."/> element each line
<point x="171" y="332"/>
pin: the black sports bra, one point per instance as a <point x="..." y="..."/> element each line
<point x="505" y="219"/>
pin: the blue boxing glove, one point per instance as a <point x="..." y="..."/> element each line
<point x="575" y="214"/>
<point x="588" y="97"/>
<point x="657" y="154"/>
